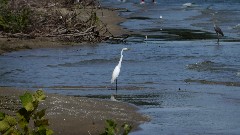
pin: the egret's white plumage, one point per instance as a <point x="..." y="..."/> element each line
<point x="115" y="73"/>
<point x="188" y="5"/>
<point x="117" y="69"/>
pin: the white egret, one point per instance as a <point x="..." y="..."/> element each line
<point x="117" y="69"/>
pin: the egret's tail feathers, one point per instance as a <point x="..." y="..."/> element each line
<point x="112" y="80"/>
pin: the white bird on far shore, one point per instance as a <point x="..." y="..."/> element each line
<point x="142" y="2"/>
<point x="188" y="4"/>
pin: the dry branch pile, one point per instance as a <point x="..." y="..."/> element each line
<point x="65" y="20"/>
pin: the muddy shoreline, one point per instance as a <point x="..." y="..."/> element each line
<point x="76" y="115"/>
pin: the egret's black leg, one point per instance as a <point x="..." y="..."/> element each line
<point x="116" y="86"/>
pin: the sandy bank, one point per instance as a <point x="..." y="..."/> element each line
<point x="76" y="115"/>
<point x="109" y="17"/>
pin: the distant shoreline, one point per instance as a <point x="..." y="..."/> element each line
<point x="108" y="16"/>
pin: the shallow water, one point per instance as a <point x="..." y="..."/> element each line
<point x="179" y="76"/>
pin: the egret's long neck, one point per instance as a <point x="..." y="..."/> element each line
<point x="120" y="61"/>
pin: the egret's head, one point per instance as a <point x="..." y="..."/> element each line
<point x="125" y="49"/>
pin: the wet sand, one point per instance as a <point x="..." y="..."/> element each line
<point x="76" y="115"/>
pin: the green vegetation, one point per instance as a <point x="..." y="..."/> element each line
<point x="21" y="124"/>
<point x="13" y="20"/>
<point x="112" y="129"/>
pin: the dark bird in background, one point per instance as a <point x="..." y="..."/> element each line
<point x="216" y="28"/>
<point x="218" y="31"/>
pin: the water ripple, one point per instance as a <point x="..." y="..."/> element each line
<point x="206" y="66"/>
<point x="212" y="82"/>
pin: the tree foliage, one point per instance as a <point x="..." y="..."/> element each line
<point x="13" y="20"/>
<point x="29" y="113"/>
<point x="111" y="128"/>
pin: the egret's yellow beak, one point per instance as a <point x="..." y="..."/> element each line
<point x="125" y="49"/>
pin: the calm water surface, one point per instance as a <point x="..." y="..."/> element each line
<point x="180" y="77"/>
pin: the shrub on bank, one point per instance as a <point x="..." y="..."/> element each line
<point x="13" y="20"/>
<point x="29" y="113"/>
